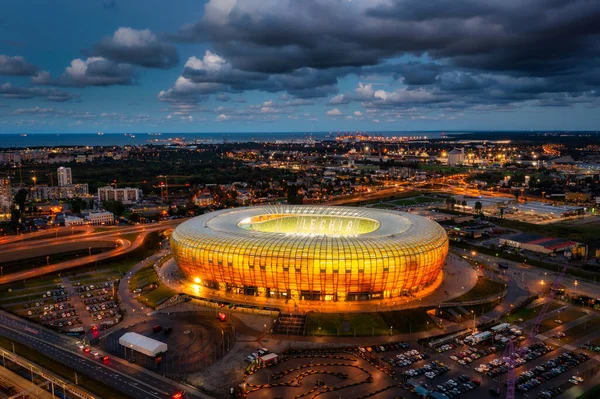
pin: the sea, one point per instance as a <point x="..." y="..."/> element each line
<point x="31" y="140"/>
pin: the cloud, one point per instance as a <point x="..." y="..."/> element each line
<point x="93" y="71"/>
<point x="137" y="47"/>
<point x="33" y="111"/>
<point x="334" y="112"/>
<point x="357" y="114"/>
<point x="213" y="74"/>
<point x="451" y="47"/>
<point x="339" y="99"/>
<point x="16" y="66"/>
<point x="8" y="91"/>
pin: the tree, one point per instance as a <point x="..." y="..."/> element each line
<point x="292" y="195"/>
<point x="116" y="207"/>
<point x="20" y="198"/>
<point x="478" y="207"/>
<point x="76" y="205"/>
<point x="448" y="202"/>
<point x="453" y="203"/>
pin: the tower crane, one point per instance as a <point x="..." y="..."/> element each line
<point x="165" y="196"/>
<point x="510" y="351"/>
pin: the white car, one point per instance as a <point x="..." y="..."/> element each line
<point x="95" y="353"/>
<point x="250" y="358"/>
<point x="80" y="346"/>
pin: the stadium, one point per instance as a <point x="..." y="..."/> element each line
<point x="311" y="252"/>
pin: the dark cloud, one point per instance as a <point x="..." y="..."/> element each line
<point x="8" y="91"/>
<point x="93" y="71"/>
<point x="508" y="50"/>
<point x="138" y="47"/>
<point x="15" y="66"/>
<point x="214" y="75"/>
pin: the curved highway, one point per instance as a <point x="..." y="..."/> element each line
<point x="125" y="247"/>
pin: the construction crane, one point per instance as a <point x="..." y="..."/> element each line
<point x="510" y="352"/>
<point x="165" y="196"/>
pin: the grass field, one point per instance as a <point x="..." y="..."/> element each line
<point x="368" y="324"/>
<point x="94" y="386"/>
<point x="415" y="201"/>
<point x="566" y="317"/>
<point x="482" y="289"/>
<point x="531" y="313"/>
<point x="581" y="330"/>
<point x="143" y="277"/>
<point x="593" y="393"/>
<point x="157" y="296"/>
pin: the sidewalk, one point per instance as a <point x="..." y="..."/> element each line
<point x="458" y="278"/>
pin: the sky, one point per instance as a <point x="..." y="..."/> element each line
<point x="298" y="65"/>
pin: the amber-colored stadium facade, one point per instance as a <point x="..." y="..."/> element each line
<point x="311" y="252"/>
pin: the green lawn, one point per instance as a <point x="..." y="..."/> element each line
<point x="368" y="324"/>
<point x="531" y="313"/>
<point x="143" y="277"/>
<point x="580" y="331"/>
<point x="593" y="393"/>
<point x="157" y="296"/>
<point x="566" y="317"/>
<point x="482" y="289"/>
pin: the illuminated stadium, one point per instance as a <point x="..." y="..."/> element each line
<point x="311" y="252"/>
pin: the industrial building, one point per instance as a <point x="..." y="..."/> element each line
<point x="544" y="245"/>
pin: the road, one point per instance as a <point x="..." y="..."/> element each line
<point x="125" y="247"/>
<point x="129" y="379"/>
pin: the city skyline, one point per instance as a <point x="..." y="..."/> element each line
<point x="255" y="66"/>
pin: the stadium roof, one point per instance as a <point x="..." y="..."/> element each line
<point x="142" y="344"/>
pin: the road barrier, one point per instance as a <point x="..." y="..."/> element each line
<point x="73" y="390"/>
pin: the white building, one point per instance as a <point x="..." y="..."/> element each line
<point x="140" y="343"/>
<point x="95" y="218"/>
<point x="64" y="176"/>
<point x="456" y="157"/>
<point x="127" y="195"/>
<point x="73" y="221"/>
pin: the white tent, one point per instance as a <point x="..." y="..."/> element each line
<point x="142" y="344"/>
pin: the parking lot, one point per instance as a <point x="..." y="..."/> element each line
<point x="74" y="303"/>
<point x="463" y="367"/>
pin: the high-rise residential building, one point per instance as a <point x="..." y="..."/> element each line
<point x="5" y="195"/>
<point x="127" y="195"/>
<point x="64" y="176"/>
